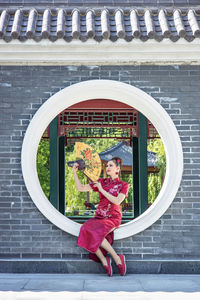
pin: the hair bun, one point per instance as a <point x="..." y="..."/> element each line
<point x="117" y="160"/>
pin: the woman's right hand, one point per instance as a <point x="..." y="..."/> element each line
<point x="75" y="167"/>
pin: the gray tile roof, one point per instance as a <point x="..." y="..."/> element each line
<point x="99" y="24"/>
<point x="99" y="3"/>
<point x="124" y="151"/>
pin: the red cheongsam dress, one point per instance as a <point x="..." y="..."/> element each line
<point x="107" y="218"/>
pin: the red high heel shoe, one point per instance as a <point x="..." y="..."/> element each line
<point x="108" y="268"/>
<point x="122" y="266"/>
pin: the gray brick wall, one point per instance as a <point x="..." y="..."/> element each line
<point x="25" y="232"/>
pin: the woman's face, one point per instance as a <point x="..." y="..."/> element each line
<point x="111" y="168"/>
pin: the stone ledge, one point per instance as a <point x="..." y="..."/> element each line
<point x="88" y="266"/>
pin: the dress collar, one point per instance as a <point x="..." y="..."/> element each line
<point x="114" y="180"/>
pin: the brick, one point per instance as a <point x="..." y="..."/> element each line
<point x="178" y="93"/>
<point x="40" y="227"/>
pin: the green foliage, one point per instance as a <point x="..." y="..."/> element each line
<point x="43" y="166"/>
<point x="154" y="186"/>
<point x="128" y="178"/>
<point x="74" y="199"/>
<point x="155" y="180"/>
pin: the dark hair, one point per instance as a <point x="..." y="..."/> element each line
<point x="118" y="162"/>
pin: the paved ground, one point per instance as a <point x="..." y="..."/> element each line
<point x="93" y="286"/>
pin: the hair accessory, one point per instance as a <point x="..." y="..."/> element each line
<point x="118" y="160"/>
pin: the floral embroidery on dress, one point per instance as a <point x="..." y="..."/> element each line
<point x="113" y="189"/>
<point x="104" y="212"/>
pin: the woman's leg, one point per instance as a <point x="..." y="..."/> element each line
<point x="107" y="246"/>
<point x="101" y="257"/>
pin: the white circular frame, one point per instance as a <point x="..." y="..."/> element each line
<point x="114" y="90"/>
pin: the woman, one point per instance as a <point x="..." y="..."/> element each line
<point x="96" y="234"/>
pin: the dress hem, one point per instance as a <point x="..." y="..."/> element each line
<point x="100" y="242"/>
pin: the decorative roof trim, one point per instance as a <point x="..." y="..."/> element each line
<point x="54" y="24"/>
<point x="124" y="150"/>
<point x="104" y="53"/>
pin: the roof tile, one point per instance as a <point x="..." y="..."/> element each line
<point x="99" y="24"/>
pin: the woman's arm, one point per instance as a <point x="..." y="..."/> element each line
<point x="116" y="200"/>
<point x="80" y="187"/>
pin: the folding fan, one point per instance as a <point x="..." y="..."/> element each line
<point x="88" y="160"/>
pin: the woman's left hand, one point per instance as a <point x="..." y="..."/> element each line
<point x="98" y="185"/>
